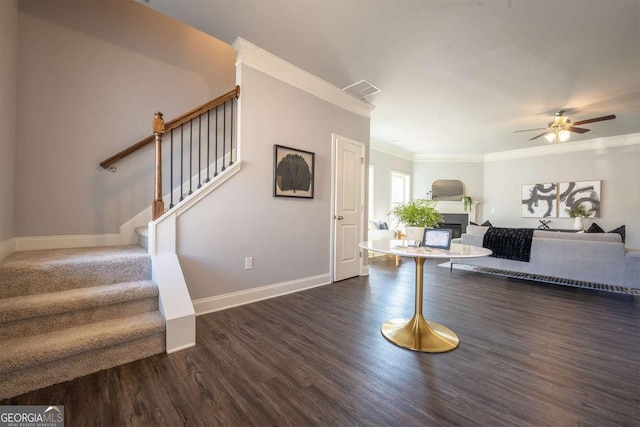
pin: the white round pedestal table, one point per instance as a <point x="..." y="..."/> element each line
<point x="417" y="333"/>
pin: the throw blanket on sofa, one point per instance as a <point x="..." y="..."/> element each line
<point x="509" y="243"/>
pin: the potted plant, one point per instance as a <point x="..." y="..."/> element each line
<point x="578" y="212"/>
<point x="417" y="215"/>
<point x="467" y="203"/>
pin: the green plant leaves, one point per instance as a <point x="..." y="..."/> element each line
<point x="418" y="213"/>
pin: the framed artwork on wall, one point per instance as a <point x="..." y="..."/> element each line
<point x="576" y="193"/>
<point x="539" y="200"/>
<point x="293" y="172"/>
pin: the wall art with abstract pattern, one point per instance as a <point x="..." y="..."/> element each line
<point x="540" y="200"/>
<point x="573" y="194"/>
<point x="553" y="200"/>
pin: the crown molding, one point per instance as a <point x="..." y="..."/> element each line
<point x="449" y="158"/>
<point x="547" y="150"/>
<point x="258" y="58"/>
<point x="390" y="150"/>
<point x="431" y="158"/>
<point x="567" y="147"/>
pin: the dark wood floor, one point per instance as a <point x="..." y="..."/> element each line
<point x="530" y="355"/>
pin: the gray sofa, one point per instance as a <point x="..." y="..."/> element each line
<point x="590" y="257"/>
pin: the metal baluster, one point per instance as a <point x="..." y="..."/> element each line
<point x="190" y="156"/>
<point x="181" y="161"/>
<point x="231" y="132"/>
<point x="216" y="148"/>
<point x="208" y="134"/>
<point x="224" y="132"/>
<point x="171" y="173"/>
<point x="199" y="151"/>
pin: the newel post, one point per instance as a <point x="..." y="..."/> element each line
<point x="158" y="131"/>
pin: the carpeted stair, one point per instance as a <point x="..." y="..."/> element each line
<point x="66" y="313"/>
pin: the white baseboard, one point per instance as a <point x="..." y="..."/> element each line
<point x="234" y="299"/>
<point x="184" y="347"/>
<point x="365" y="270"/>
<point x="63" y="242"/>
<point x="7" y="248"/>
<point x="127" y="236"/>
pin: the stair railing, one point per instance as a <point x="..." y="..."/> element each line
<point x="215" y="126"/>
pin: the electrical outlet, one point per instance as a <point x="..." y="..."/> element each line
<point x="493" y="210"/>
<point x="248" y="263"/>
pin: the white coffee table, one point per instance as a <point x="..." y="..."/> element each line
<point x="417" y="333"/>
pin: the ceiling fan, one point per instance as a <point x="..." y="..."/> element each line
<point x="559" y="130"/>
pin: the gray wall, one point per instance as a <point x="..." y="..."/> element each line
<point x="498" y="184"/>
<point x="471" y="175"/>
<point x="423" y="174"/>
<point x="618" y="168"/>
<point x="288" y="238"/>
<point x="384" y="164"/>
<point x="91" y="74"/>
<point x="8" y="105"/>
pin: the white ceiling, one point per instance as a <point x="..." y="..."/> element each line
<point x="457" y="76"/>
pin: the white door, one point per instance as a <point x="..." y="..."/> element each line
<point x="349" y="195"/>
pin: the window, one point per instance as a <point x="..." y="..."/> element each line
<point x="371" y="189"/>
<point x="400" y="186"/>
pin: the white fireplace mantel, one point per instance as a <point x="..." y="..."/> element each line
<point x="457" y="207"/>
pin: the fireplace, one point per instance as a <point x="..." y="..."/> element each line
<point x="456" y="222"/>
<point x="456" y="217"/>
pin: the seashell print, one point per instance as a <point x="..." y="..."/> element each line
<point x="293" y="173"/>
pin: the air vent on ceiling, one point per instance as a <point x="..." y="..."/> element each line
<point x="362" y="89"/>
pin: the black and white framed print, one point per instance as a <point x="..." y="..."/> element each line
<point x="573" y="194"/>
<point x="293" y="173"/>
<point x="539" y="200"/>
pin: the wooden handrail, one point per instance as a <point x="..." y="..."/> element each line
<point x="172" y="124"/>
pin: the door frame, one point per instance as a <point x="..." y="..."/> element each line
<point x="332" y="249"/>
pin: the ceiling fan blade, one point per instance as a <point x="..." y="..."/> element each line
<point x="578" y="130"/>
<point x="527" y="130"/>
<point x="536" y="137"/>
<point x="597" y="119"/>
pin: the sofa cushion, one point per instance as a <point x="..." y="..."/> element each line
<point x="476" y="229"/>
<point x="591" y="237"/>
<point x="621" y="231"/>
<point x="595" y="228"/>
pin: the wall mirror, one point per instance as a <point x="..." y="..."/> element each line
<point x="447" y="189"/>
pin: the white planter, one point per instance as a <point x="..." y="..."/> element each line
<point x="578" y="223"/>
<point x="415" y="233"/>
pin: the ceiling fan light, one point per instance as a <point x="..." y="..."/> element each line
<point x="564" y="135"/>
<point x="550" y="137"/>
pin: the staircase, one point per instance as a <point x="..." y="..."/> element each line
<point x="66" y="313"/>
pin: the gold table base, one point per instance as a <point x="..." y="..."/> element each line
<point x="416" y="333"/>
<point x="420" y="335"/>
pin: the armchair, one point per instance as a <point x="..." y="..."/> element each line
<point x="375" y="232"/>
